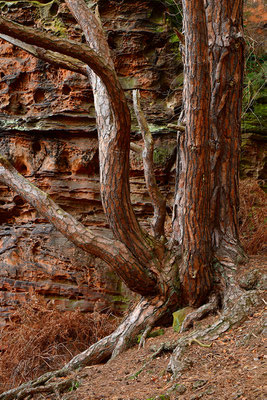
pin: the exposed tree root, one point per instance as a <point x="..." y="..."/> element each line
<point x="242" y="303"/>
<point x="199" y="313"/>
<point x="146" y="313"/>
<point x="237" y="305"/>
<point x="144" y="336"/>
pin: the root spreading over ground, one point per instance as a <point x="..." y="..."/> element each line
<point x="239" y="304"/>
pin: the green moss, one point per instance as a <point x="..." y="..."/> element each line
<point x="128" y="82"/>
<point x="21" y="3"/>
<point x="178" y="318"/>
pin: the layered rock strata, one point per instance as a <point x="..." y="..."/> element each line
<point x="48" y="131"/>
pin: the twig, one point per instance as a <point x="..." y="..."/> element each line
<point x="177" y="127"/>
<point x="137" y="149"/>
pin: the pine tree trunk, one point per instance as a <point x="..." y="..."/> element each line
<point x="192" y="208"/>
<point x="226" y="53"/>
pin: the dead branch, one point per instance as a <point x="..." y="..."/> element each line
<point x="56" y="59"/>
<point x="177" y="127"/>
<point x="157" y="199"/>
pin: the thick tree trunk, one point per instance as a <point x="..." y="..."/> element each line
<point x="192" y="200"/>
<point x="226" y="53"/>
<point x="139" y="259"/>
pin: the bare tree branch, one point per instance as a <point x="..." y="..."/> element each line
<point x="111" y="251"/>
<point x="56" y="59"/>
<point x="158" y="201"/>
<point x="69" y="48"/>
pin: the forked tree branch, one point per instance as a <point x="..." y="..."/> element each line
<point x="157" y="199"/>
<point x="53" y="58"/>
<point x="111" y="251"/>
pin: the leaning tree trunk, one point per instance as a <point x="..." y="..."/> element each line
<point x="191" y="223"/>
<point x="226" y="53"/>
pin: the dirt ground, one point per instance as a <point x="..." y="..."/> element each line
<point x="234" y="367"/>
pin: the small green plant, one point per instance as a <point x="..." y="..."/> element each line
<point x="74" y="386"/>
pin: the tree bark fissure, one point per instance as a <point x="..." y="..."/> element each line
<point x="191" y="225"/>
<point x="226" y="53"/>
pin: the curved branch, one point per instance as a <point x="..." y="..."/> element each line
<point x="157" y="199"/>
<point x="56" y="59"/>
<point x="112" y="252"/>
<point x="69" y="48"/>
<point x="137" y="149"/>
<point x="114" y="124"/>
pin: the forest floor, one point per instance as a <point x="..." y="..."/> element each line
<point x="234" y="367"/>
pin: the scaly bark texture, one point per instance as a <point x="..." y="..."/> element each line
<point x="226" y="54"/>
<point x="113" y="121"/>
<point x="192" y="201"/>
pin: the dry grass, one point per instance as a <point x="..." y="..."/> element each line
<point x="41" y="339"/>
<point x="253" y="216"/>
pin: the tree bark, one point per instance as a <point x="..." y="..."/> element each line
<point x="191" y="223"/>
<point x="114" y="124"/>
<point x="226" y="53"/>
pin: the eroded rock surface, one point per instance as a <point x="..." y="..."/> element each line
<point x="47" y="130"/>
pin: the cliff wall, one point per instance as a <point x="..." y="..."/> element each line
<point x="47" y="130"/>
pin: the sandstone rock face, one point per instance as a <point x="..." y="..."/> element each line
<point x="253" y="156"/>
<point x="47" y="130"/>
